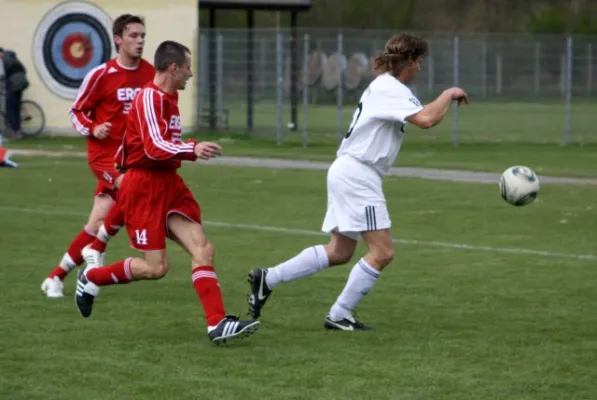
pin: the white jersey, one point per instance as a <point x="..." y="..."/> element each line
<point x="377" y="127"/>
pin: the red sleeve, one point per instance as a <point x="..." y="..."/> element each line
<point x="86" y="101"/>
<point x="154" y="126"/>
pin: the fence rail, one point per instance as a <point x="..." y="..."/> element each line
<point x="304" y="85"/>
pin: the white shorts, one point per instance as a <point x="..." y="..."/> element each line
<point x="356" y="202"/>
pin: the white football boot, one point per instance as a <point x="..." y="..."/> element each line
<point x="93" y="258"/>
<point x="53" y="287"/>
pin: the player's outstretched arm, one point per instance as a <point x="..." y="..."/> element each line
<point x="87" y="99"/>
<point x="434" y="112"/>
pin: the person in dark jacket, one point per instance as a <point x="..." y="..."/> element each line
<point x="16" y="83"/>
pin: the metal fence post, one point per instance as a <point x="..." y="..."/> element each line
<point x="280" y="85"/>
<point x="430" y="69"/>
<point x="340" y="100"/>
<point x="537" y="67"/>
<point x="203" y="69"/>
<point x="568" y="119"/>
<point x="484" y="68"/>
<point x="262" y="64"/>
<point x="219" y="79"/>
<point x="589" y="69"/>
<point x="305" y="89"/>
<point x="430" y="75"/>
<point x="456" y="67"/>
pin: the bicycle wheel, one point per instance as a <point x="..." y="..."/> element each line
<point x="33" y="119"/>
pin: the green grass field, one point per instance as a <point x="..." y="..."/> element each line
<point x="483" y="301"/>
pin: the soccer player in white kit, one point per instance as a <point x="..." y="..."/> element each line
<point x="356" y="206"/>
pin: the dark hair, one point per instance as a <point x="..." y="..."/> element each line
<point x="122" y="22"/>
<point x="399" y="51"/>
<point x="168" y="53"/>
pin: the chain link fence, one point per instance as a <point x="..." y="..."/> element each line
<point x="304" y="85"/>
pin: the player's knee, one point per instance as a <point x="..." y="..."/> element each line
<point x="93" y="225"/>
<point x="339" y="255"/>
<point x="158" y="270"/>
<point x="382" y="256"/>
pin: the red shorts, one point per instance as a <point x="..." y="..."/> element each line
<point x="146" y="198"/>
<point x="106" y="181"/>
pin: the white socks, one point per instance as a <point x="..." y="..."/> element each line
<point x="309" y="261"/>
<point x="360" y="281"/>
<point x="102" y="234"/>
<point x="67" y="263"/>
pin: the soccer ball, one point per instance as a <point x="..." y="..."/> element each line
<point x="519" y="185"/>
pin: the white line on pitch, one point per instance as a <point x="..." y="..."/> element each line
<point x="290" y="231"/>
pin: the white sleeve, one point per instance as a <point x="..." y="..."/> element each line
<point x="397" y="106"/>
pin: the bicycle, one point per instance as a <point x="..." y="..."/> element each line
<point x="33" y="119"/>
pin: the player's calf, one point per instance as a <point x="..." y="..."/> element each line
<point x="381" y="248"/>
<point x="110" y="227"/>
<point x="361" y="279"/>
<point x="379" y="258"/>
<point x="154" y="266"/>
<point x="202" y="254"/>
<point x="340" y="249"/>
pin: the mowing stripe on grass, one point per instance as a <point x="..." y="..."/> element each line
<point x="291" y="231"/>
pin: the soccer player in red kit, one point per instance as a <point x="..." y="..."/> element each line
<point x="99" y="113"/>
<point x="157" y="203"/>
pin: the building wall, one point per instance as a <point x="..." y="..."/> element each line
<point x="171" y="20"/>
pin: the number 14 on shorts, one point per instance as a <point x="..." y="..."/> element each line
<point x="141" y="236"/>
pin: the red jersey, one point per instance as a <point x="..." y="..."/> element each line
<point x="106" y="95"/>
<point x="153" y="131"/>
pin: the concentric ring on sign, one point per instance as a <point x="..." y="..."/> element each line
<point x="71" y="39"/>
<point x="93" y="45"/>
<point x="77" y="50"/>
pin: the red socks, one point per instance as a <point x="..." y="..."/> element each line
<point x="112" y="224"/>
<point x="117" y="273"/>
<point x="73" y="256"/>
<point x="59" y="272"/>
<point x="82" y="240"/>
<point x="207" y="287"/>
<point x="205" y="282"/>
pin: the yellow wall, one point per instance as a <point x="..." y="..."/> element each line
<point x="165" y="20"/>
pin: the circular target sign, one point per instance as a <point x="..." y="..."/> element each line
<point x="71" y="39"/>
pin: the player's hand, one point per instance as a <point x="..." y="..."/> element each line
<point x="459" y="95"/>
<point x="102" y="131"/>
<point x="207" y="150"/>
